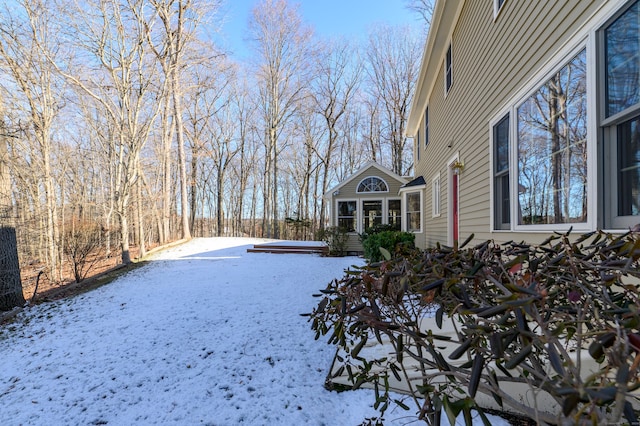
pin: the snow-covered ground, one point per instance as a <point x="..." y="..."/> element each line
<point x="206" y="334"/>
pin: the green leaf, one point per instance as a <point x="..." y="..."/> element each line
<point x="476" y="374"/>
<point x="356" y="350"/>
<point x="519" y="357"/>
<point x="461" y="349"/>
<point x="596" y="350"/>
<point x="401" y="404"/>
<point x="554" y="358"/>
<point x="385" y="253"/>
<point x="451" y="409"/>
<point x="569" y="403"/>
<point x="439" y="314"/>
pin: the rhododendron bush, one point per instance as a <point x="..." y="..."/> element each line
<point x="558" y="319"/>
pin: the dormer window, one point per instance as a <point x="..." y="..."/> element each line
<point x="372" y="184"/>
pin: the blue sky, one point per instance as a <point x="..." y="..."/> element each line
<point x="348" y="18"/>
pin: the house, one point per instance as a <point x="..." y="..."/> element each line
<point x="526" y="120"/>
<point x="368" y="197"/>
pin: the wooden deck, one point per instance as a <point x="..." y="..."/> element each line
<point x="291" y="247"/>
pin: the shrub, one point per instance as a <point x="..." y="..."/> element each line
<point x="81" y="243"/>
<point x="530" y="314"/>
<point x="389" y="241"/>
<point x="336" y="238"/>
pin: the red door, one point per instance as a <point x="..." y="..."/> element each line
<point x="455" y="206"/>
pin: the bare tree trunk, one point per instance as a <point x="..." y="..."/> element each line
<point x="10" y="282"/>
<point x="141" y="243"/>
<point x="182" y="161"/>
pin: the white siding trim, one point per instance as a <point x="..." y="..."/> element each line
<point x="436" y="196"/>
<point x="512" y="134"/>
<point x="453" y="159"/>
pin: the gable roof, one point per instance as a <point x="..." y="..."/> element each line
<point x="443" y="21"/>
<point x="360" y="171"/>
<point x="419" y="181"/>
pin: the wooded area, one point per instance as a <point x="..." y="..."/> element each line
<point x="125" y="123"/>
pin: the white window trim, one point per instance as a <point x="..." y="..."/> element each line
<point x="447" y="90"/>
<point x="372" y="192"/>
<point x="337" y="218"/>
<point x="426" y="127"/>
<point x="436" y="198"/>
<point x="360" y="212"/>
<point x="495" y="120"/>
<point x="497" y="9"/>
<point x="410" y="190"/>
<point x="559" y="60"/>
<point x="385" y="210"/>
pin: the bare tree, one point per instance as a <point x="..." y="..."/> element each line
<point x="393" y="55"/>
<point x="10" y="282"/>
<point x="282" y="44"/>
<point x="424" y="8"/>
<point x="337" y="79"/>
<point x="114" y="36"/>
<point x="24" y="49"/>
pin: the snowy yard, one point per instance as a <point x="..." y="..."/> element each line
<point x="205" y="334"/>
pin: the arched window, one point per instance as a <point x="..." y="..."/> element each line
<point x="372" y="184"/>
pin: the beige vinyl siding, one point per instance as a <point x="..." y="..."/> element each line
<point x="492" y="62"/>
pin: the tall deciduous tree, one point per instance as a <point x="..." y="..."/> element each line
<point x="113" y="36"/>
<point x="424" y="8"/>
<point x="337" y="79"/>
<point x="10" y="282"/>
<point x="393" y="55"/>
<point x="282" y="44"/>
<point x="25" y="46"/>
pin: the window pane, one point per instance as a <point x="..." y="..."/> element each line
<point x="448" y="69"/>
<point x="435" y="197"/>
<point x="622" y="46"/>
<point x="552" y="154"/>
<point x="501" y="141"/>
<point x="413" y="211"/>
<point x="501" y="194"/>
<point x="347" y="215"/>
<point x="426" y="127"/>
<point x="395" y="214"/>
<point x="628" y="168"/>
<point x="372" y="184"/>
<point x="505" y="206"/>
<point x="372" y="214"/>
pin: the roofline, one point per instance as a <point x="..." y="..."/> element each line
<point x="444" y="18"/>
<point x="381" y="168"/>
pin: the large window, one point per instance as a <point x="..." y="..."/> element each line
<point x="371" y="214"/>
<point x="394" y="214"/>
<point x="622" y="51"/>
<point x="501" y="198"/>
<point x="372" y="184"/>
<point x="621" y="127"/>
<point x="413" y="212"/>
<point x="552" y="149"/>
<point x="347" y="215"/>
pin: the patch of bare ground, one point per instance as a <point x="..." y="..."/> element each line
<point x="103" y="268"/>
